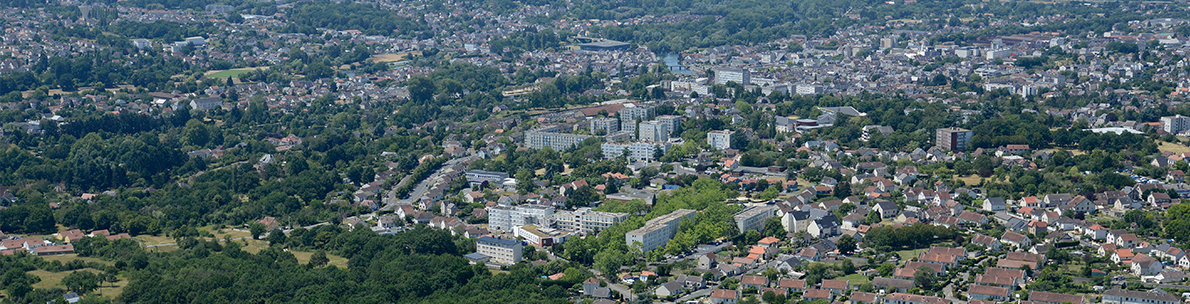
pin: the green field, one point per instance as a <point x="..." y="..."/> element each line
<point x="854" y="279"/>
<point x="231" y="73"/>
<point x="907" y="255"/>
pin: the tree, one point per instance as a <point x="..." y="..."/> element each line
<point x="925" y="277"/>
<point x="257" y="229"/>
<point x="846" y="244"/>
<point x="524" y="181"/>
<point x="81" y="281"/>
<point x="873" y="217"/>
<point x="276" y="237"/>
<point x="843" y="189"/>
<point x="847" y="267"/>
<point x="886" y="269"/>
<point x="319" y="259"/>
<point x="773" y="227"/>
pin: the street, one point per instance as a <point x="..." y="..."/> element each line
<point x="424" y="185"/>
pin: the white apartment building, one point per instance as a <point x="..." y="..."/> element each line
<point x="654" y="131"/>
<point x="548" y="137"/>
<point x="636" y="150"/>
<point x="1175" y="124"/>
<point x="658" y="231"/>
<point x="736" y="75"/>
<point x="720" y="139"/>
<point x="586" y="220"/>
<point x="752" y="218"/>
<point x="504" y="218"/>
<point x="502" y="251"/>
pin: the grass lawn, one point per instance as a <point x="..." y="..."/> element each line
<point x="148" y="240"/>
<point x="254" y="246"/>
<point x="970" y="180"/>
<point x="52" y="280"/>
<point x="393" y="56"/>
<point x="73" y="256"/>
<point x="1075" y="152"/>
<point x="907" y="255"/>
<point x="855" y="279"/>
<point x="304" y="258"/>
<point x="1172" y="147"/>
<point x="231" y="73"/>
<point x="226" y="233"/>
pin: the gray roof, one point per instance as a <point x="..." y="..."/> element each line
<point x="1159" y="296"/>
<point x="506" y="242"/>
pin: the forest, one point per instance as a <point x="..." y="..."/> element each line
<point x="417" y="266"/>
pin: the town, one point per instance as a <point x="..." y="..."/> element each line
<point x="900" y="152"/>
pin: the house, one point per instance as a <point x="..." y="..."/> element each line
<point x="53" y="249"/>
<point x="724" y="296"/>
<point x="1122" y="255"/>
<point x="1055" y="298"/>
<point x="815" y="294"/>
<point x="860" y="297"/>
<point x="670" y="289"/>
<point x="1158" y="198"/>
<point x="836" y="286"/>
<point x="71" y="235"/>
<point x="1016" y="239"/>
<point x="886" y="209"/>
<point x="972" y="218"/>
<point x="388" y="221"/>
<point x="270" y="223"/>
<point x="1169" y="276"/>
<point x="1120" y="296"/>
<point x="1127" y="240"/>
<point x="707" y="261"/>
<point x="824" y="227"/>
<point x="792" y="285"/>
<point x="795" y="221"/>
<point x="988" y="242"/>
<point x="206" y="103"/>
<point x="1144" y="265"/>
<point x="984" y="292"/>
<point x="890" y="285"/>
<point x="691" y="282"/>
<point x="751" y="281"/>
<point x="994" y="204"/>
<point x="904" y="298"/>
<point x="809" y="254"/>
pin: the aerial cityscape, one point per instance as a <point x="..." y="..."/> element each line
<point x="631" y="151"/>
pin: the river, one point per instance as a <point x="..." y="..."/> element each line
<point x="673" y="62"/>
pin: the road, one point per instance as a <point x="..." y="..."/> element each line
<point x="696" y="294"/>
<point x="614" y="285"/>
<point x="424" y="185"/>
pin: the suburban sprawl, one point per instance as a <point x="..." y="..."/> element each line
<point x="553" y="151"/>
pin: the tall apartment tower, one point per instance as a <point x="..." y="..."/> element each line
<point x="953" y="139"/>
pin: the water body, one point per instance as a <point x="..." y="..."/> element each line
<point x="674" y="63"/>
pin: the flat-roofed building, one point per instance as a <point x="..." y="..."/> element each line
<point x="953" y="139"/>
<point x="741" y="76"/>
<point x="604" y="45"/>
<point x="549" y="137"/>
<point x="720" y="139"/>
<point x="501" y="251"/>
<point x="752" y="218"/>
<point x="653" y="131"/>
<point x="607" y="125"/>
<point x="636" y="150"/>
<point x="658" y="231"/>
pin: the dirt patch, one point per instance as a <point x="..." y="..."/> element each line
<point x="392" y="57"/>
